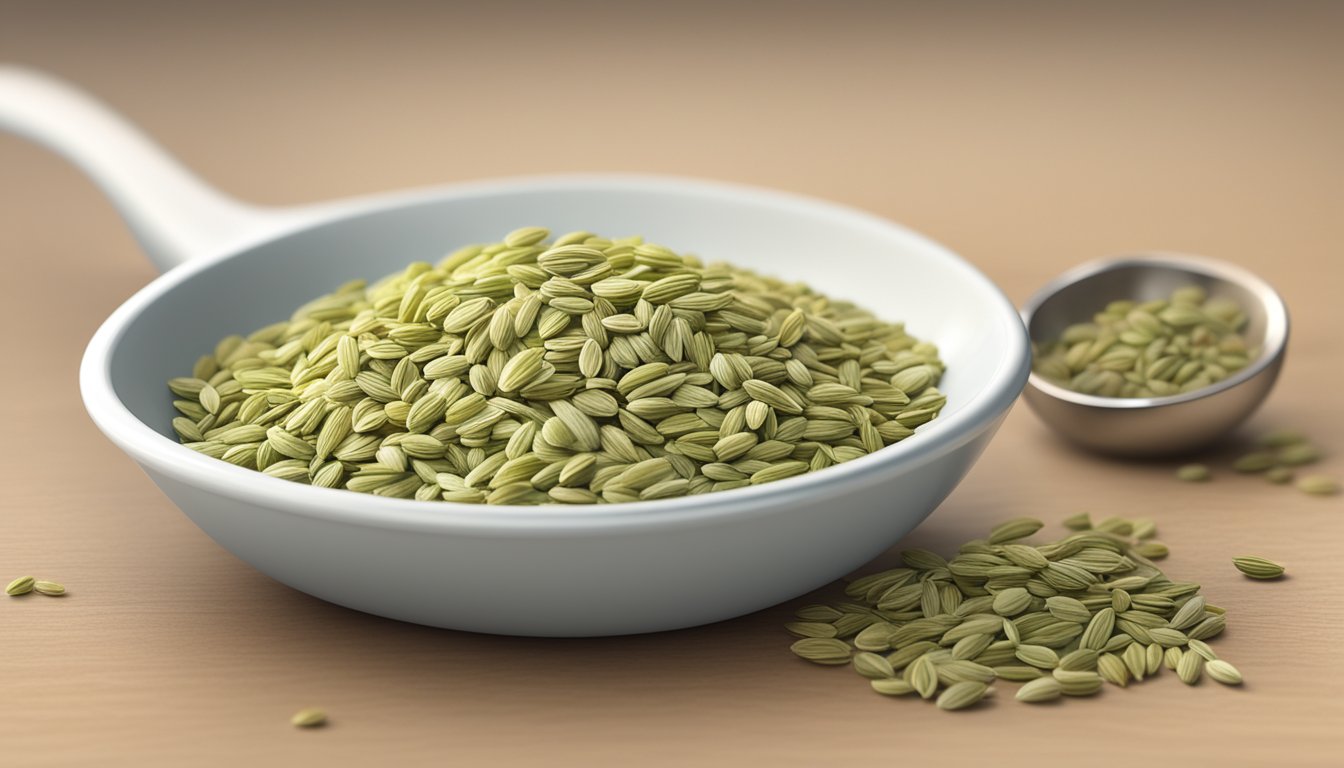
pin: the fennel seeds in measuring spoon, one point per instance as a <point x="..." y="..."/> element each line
<point x="1159" y="348"/>
<point x="575" y="371"/>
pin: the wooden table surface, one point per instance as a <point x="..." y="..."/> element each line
<point x="1028" y="137"/>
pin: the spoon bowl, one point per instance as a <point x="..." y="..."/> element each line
<point x="1155" y="426"/>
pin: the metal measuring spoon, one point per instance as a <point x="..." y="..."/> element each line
<point x="1155" y="426"/>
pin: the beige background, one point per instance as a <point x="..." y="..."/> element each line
<point x="1028" y="137"/>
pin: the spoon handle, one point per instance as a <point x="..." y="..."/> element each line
<point x="174" y="214"/>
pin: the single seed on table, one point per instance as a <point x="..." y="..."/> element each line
<point x="872" y="585"/>
<point x="975" y="625"/>
<point x="1154" y="652"/>
<point x="209" y="398"/>
<point x="1120" y="600"/>
<point x="524" y="236"/>
<point x="973" y="606"/>
<point x="876" y="637"/>
<point x="1193" y="473"/>
<point x="1135" y="657"/>
<point x="951" y="671"/>
<point x="1319" y="485"/>
<point x="1113" y="670"/>
<point x="851" y="623"/>
<point x="1281" y="438"/>
<point x="1298" y="455"/>
<point x="311" y="717"/>
<point x="1040" y="690"/>
<point x="1055" y="635"/>
<point x="1153" y="550"/>
<point x="810" y="629"/>
<point x="892" y="687"/>
<point x="1083" y="659"/>
<point x="20" y="586"/>
<point x="1258" y="567"/>
<point x="1144" y="528"/>
<point x="970" y="647"/>
<point x="1017" y="673"/>
<point x="1011" y="601"/>
<point x="999" y="652"/>
<point x="1098" y="630"/>
<point x="962" y="695"/>
<point x="1133" y="630"/>
<point x="823" y="650"/>
<point x="902" y="658"/>
<point x="1171" y="658"/>
<point x="1209" y="627"/>
<point x="1078" y="683"/>
<point x="1145" y="610"/>
<point x="48" y="588"/>
<point x="922" y="559"/>
<point x="1116" y="525"/>
<point x="1014" y="529"/>
<point x="1203" y="649"/>
<point x="1189" y="614"/>
<point x="1037" y="656"/>
<point x="950" y="598"/>
<point x="1024" y="556"/>
<point x="1223" y="672"/>
<point x="1068" y="609"/>
<point x="1067" y="675"/>
<point x="1280" y="475"/>
<point x="1258" y="461"/>
<point x="1190" y="667"/>
<point x="929" y="602"/>
<point x="923" y="676"/>
<point x="813" y="612"/>
<point x="1079" y="522"/>
<point x="1167" y="637"/>
<point x="1130" y="584"/>
<point x="872" y="666"/>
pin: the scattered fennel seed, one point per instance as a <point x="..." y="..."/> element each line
<point x="1063" y="617"/>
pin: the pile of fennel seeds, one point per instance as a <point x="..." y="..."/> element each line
<point x="1063" y="617"/>
<point x="584" y="370"/>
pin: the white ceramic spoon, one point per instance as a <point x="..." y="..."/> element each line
<point x="593" y="570"/>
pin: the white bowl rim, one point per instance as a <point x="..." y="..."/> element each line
<point x="172" y="459"/>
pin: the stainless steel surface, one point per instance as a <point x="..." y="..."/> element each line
<point x="1158" y="426"/>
